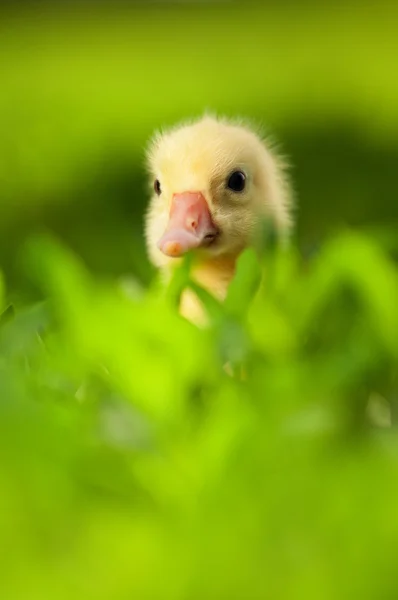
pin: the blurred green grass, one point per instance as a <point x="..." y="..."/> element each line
<point x="132" y="465"/>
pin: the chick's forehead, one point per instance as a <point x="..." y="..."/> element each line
<point x="204" y="150"/>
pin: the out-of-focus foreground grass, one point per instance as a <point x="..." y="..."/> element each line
<point x="131" y="464"/>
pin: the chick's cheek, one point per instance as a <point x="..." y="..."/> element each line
<point x="190" y="225"/>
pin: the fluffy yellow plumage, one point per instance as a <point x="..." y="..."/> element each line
<point x="213" y="180"/>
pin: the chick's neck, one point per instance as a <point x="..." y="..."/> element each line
<point x="214" y="275"/>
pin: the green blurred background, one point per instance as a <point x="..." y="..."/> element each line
<point x="84" y="85"/>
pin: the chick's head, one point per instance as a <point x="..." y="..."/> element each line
<point x="213" y="182"/>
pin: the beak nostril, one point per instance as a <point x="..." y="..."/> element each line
<point x="192" y="223"/>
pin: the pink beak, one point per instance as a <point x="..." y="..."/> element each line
<point x="190" y="225"/>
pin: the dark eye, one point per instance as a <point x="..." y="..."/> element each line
<point x="237" y="181"/>
<point x="156" y="187"/>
